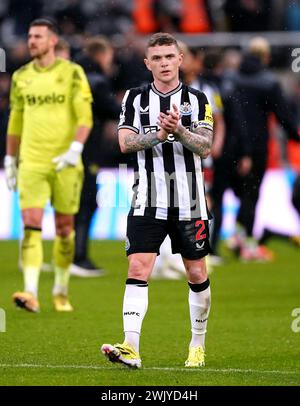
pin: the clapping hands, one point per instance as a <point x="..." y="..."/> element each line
<point x="169" y="121"/>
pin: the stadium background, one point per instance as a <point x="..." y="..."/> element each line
<point x="254" y="344"/>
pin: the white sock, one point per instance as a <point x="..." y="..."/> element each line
<point x="133" y="338"/>
<point x="135" y="306"/>
<point x="59" y="290"/>
<point x="199" y="303"/>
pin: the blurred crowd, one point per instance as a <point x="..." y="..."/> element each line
<point x="121" y="20"/>
<point x="110" y="17"/>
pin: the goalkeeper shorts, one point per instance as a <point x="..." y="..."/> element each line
<point x="37" y="186"/>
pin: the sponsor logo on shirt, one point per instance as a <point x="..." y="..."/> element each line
<point x="40" y="100"/>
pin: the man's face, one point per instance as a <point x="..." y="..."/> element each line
<point x="163" y="61"/>
<point x="40" y="41"/>
<point x="187" y="65"/>
<point x="105" y="59"/>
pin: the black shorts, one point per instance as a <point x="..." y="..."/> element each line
<point x="146" y="234"/>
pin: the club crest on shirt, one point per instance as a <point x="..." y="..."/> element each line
<point x="185" y="109"/>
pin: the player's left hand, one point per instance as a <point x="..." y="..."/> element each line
<point x="69" y="158"/>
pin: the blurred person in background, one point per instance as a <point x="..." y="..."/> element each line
<point x="101" y="149"/>
<point x="288" y="158"/>
<point x="259" y="95"/>
<point x="63" y="49"/>
<point x="18" y="55"/>
<point x="4" y="111"/>
<point x="4" y="114"/>
<point x="50" y="120"/>
<point x="129" y="58"/>
<point x="192" y="75"/>
<point x="230" y="158"/>
<point x="234" y="161"/>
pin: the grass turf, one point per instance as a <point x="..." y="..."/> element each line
<point x="249" y="340"/>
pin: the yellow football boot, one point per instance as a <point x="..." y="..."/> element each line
<point x="123" y="354"/>
<point x="62" y="303"/>
<point x="195" y="358"/>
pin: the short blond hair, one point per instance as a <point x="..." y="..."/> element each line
<point x="97" y="44"/>
<point x="260" y="47"/>
<point x="62" y="45"/>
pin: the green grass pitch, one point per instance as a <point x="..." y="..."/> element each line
<point x="249" y="340"/>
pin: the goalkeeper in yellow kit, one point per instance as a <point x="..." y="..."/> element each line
<point x="49" y="122"/>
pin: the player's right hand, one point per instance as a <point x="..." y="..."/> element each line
<point x="169" y="121"/>
<point x="11" y="171"/>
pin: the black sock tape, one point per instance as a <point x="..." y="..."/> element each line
<point x="138" y="282"/>
<point x="199" y="287"/>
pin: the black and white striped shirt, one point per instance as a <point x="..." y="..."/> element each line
<point x="168" y="177"/>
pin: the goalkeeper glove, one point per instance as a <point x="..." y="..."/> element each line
<point x="11" y="171"/>
<point x="69" y="158"/>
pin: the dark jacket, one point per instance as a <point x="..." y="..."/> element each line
<point x="236" y="143"/>
<point x="99" y="150"/>
<point x="260" y="94"/>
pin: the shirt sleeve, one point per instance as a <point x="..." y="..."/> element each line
<point x="129" y="117"/>
<point x="82" y="98"/>
<point x="204" y="113"/>
<point x="15" y="123"/>
<point x="214" y="98"/>
<point x="218" y="102"/>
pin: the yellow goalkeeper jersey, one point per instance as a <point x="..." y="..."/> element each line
<point x="47" y="106"/>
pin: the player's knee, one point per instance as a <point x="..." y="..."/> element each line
<point x="197" y="272"/>
<point x="64" y="230"/>
<point x="138" y="269"/>
<point x="64" y="227"/>
<point x="32" y="219"/>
